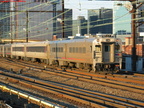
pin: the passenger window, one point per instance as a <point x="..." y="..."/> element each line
<point x="80" y="50"/>
<point x="70" y="49"/>
<point x="73" y="49"/>
<point x="98" y="48"/>
<point x="84" y="50"/>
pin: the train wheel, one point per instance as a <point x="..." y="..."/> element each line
<point x="81" y="65"/>
<point x="55" y="62"/>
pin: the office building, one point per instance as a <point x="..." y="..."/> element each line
<point x="4" y="20"/>
<point x="33" y="19"/>
<point x="100" y="21"/>
<point x="80" y="26"/>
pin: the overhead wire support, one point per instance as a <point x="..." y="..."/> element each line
<point x="63" y="23"/>
<point x="16" y="19"/>
<point x="133" y="25"/>
<point x="27" y="22"/>
<point x="133" y="34"/>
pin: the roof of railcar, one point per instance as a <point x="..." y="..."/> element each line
<point x="73" y="40"/>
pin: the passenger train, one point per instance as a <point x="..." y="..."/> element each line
<point x="98" y="54"/>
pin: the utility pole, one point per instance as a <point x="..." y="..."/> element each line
<point x="54" y="18"/>
<point x="27" y="21"/>
<point x="133" y="35"/>
<point x="16" y="20"/>
<point x="133" y="28"/>
<point x="63" y="29"/>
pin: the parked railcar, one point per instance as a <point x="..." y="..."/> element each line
<point x="100" y="53"/>
<point x="7" y="50"/>
<point x="18" y="50"/>
<point x="37" y="51"/>
<point x="2" y="50"/>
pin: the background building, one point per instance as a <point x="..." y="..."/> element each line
<point x="100" y="21"/>
<point x="33" y="18"/>
<point x="4" y="20"/>
<point x="80" y="26"/>
<point x="121" y="19"/>
<point x="67" y="24"/>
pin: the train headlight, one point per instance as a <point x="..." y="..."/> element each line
<point x="107" y="40"/>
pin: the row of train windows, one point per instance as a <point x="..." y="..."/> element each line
<point x="36" y="49"/>
<point x="54" y="49"/>
<point x="18" y="48"/>
<point x="30" y="49"/>
<point x="58" y="49"/>
<point x="77" y="50"/>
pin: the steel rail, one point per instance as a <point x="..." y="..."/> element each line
<point x="114" y="77"/>
<point x="54" y="92"/>
<point x="105" y="82"/>
<point x="29" y="97"/>
<point x="93" y="93"/>
<point x="64" y="92"/>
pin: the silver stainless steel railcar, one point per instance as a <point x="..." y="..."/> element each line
<point x="98" y="54"/>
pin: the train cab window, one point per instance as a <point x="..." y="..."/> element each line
<point x="8" y="49"/>
<point x="98" y="48"/>
<point x="107" y="48"/>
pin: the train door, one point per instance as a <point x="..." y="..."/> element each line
<point x="108" y="52"/>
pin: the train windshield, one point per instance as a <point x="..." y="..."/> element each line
<point x="107" y="48"/>
<point x="97" y="48"/>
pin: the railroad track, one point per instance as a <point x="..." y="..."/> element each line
<point x="76" y="95"/>
<point x="125" y="78"/>
<point x="92" y="78"/>
<point x="87" y="77"/>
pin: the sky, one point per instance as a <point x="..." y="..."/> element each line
<point x="80" y="6"/>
